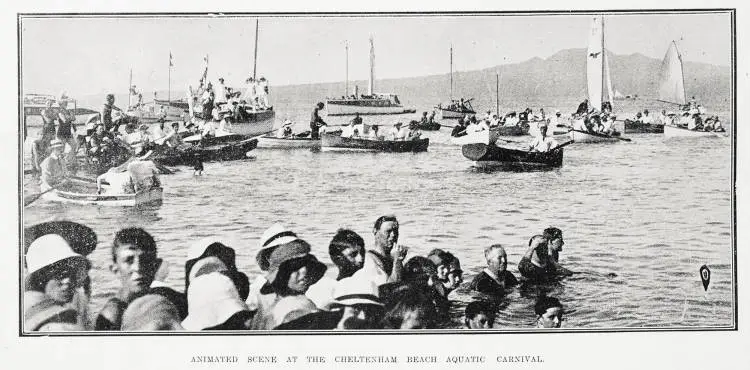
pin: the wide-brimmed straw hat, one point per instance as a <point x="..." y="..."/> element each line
<point x="355" y="291"/>
<point x="149" y="312"/>
<point x="49" y="249"/>
<point x="289" y="256"/>
<point x="274" y="236"/>
<point x="47" y="311"/>
<point x="212" y="300"/>
<point x="81" y="238"/>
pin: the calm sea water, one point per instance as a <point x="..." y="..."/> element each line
<point x="639" y="218"/>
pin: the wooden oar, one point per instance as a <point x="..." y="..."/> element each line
<point x="32" y="198"/>
<point x="259" y="136"/>
<point x="601" y="135"/>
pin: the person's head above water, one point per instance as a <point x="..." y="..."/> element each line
<point x="347" y="251"/>
<point x="386" y="233"/>
<point x="480" y="315"/>
<point x="549" y="312"/>
<point x="497" y="259"/>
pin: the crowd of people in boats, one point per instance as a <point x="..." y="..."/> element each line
<point x="459" y="105"/>
<point x="357" y="129"/>
<point x="375" y="287"/>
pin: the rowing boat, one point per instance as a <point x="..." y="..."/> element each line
<point x="676" y="131"/>
<point x="591" y="137"/>
<point x="334" y="142"/>
<point x="189" y="155"/>
<point x="272" y="142"/>
<point x="78" y="192"/>
<point x="642" y="128"/>
<point x="494" y="156"/>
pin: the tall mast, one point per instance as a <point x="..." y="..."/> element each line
<point x="255" y="57"/>
<point x="451" y="72"/>
<point x="169" y="80"/>
<point x="371" y="83"/>
<point x="604" y="55"/>
<point x="130" y="88"/>
<point x="497" y="93"/>
<point x="346" y="47"/>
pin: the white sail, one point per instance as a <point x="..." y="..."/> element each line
<point x="371" y="84"/>
<point x="671" y="81"/>
<point x="595" y="63"/>
<point x="609" y="94"/>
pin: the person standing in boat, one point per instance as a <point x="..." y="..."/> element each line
<point x="316" y="122"/>
<point x="221" y="92"/>
<point x="48" y="121"/>
<point x="66" y="128"/>
<point x="262" y="92"/>
<point x="395" y="132"/>
<point x="543" y="143"/>
<point x="53" y="167"/>
<point x="106" y="113"/>
<point x="583" y="108"/>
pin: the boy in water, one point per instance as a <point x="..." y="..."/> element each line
<point x="479" y="315"/>
<point x="135" y="263"/>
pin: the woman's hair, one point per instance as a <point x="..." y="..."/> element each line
<point x="37" y="280"/>
<point x="281" y="283"/>
<point x="406" y="301"/>
<point x="418" y="270"/>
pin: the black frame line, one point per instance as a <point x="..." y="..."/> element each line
<point x="733" y="178"/>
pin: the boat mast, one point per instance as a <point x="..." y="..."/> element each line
<point x="451" y="72"/>
<point x="682" y="72"/>
<point x="371" y="83"/>
<point x="497" y="93"/>
<point x="255" y="57"/>
<point x="346" y="47"/>
<point x="604" y="55"/>
<point x="130" y="88"/>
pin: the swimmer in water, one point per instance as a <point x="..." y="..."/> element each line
<point x="549" y="312"/>
<point x="536" y="264"/>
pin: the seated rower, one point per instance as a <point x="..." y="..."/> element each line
<point x="708" y="124"/>
<point x="414" y="133"/>
<point x="286" y="130"/>
<point x="459" y="130"/>
<point x="717" y="125"/>
<point x="424" y="120"/>
<point x="647" y="119"/>
<point x="608" y="125"/>
<point x="543" y="143"/>
<point x="395" y="133"/>
<point x="511" y="119"/>
<point x="374" y="133"/>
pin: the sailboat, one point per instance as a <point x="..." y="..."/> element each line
<point x="672" y="90"/>
<point x="599" y="83"/>
<point x="370" y="104"/>
<point x="455" y="109"/>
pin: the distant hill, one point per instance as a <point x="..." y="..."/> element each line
<point x="559" y="77"/>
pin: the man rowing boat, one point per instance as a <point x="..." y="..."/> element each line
<point x="543" y="143"/>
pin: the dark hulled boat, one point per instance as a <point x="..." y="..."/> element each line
<point x="638" y="127"/>
<point x="496" y="156"/>
<point x="334" y="142"/>
<point x="189" y="155"/>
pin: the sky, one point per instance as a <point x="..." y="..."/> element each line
<point x="94" y="54"/>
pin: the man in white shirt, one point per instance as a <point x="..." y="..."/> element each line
<point x="262" y="92"/>
<point x="647" y="118"/>
<point x="395" y="132"/>
<point x="249" y="95"/>
<point x="543" y="143"/>
<point x="221" y="92"/>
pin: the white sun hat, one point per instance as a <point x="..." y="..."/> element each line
<point x="274" y="236"/>
<point x="353" y="290"/>
<point x="49" y="249"/>
<point x="212" y="300"/>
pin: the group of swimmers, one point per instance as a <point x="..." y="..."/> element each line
<point x="372" y="288"/>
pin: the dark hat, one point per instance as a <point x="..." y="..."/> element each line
<point x="81" y="238"/>
<point x="290" y="255"/>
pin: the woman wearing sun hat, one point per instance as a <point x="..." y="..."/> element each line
<point x="215" y="304"/>
<point x="292" y="270"/>
<point x="54" y="272"/>
<point x="271" y="239"/>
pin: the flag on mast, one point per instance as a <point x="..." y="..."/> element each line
<point x="170" y="60"/>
